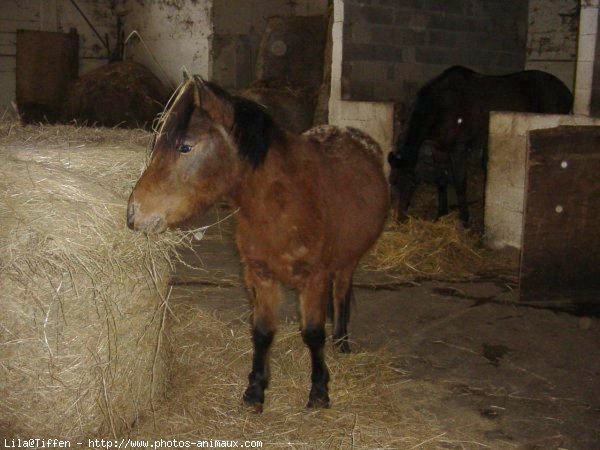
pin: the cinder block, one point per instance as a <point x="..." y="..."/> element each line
<point x="371" y="52"/>
<point x="525" y="122"/>
<point x="500" y="123"/>
<point x="442" y="38"/>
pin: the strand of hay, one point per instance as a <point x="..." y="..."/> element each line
<point x="83" y="301"/>
<point x="374" y="405"/>
<point x="419" y="247"/>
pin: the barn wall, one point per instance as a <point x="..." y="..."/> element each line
<point x="238" y="27"/>
<point x="585" y="103"/>
<point x="52" y="15"/>
<point x="552" y="38"/>
<point x="374" y="118"/>
<point x="392" y="47"/>
<point x="505" y="189"/>
<point x="178" y="33"/>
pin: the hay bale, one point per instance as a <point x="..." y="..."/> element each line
<point x="418" y="247"/>
<point x="83" y="300"/>
<point x="124" y="94"/>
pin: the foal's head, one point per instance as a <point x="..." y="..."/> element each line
<point x="206" y="139"/>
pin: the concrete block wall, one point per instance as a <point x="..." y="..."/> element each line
<point x="552" y="37"/>
<point x="392" y="47"/>
<point x="52" y="15"/>
<point x="505" y="188"/>
<point x="374" y="118"/>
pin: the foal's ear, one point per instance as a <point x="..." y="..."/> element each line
<point x="213" y="101"/>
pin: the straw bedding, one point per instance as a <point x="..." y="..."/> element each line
<point x="374" y="404"/>
<point x="82" y="299"/>
<point x="422" y="248"/>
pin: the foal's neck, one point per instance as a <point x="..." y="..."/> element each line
<point x="252" y="184"/>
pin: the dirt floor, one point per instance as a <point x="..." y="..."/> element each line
<point x="452" y="365"/>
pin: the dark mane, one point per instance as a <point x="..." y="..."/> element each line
<point x="253" y="129"/>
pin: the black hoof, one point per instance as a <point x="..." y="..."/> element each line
<point x="342" y="346"/>
<point x="254" y="398"/>
<point x="255" y="407"/>
<point x="321" y="403"/>
<point x="318" y="398"/>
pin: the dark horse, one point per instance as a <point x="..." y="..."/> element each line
<point x="309" y="207"/>
<point x="452" y="111"/>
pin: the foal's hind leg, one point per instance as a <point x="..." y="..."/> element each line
<point x="342" y="295"/>
<point x="313" y="305"/>
<point x="265" y="294"/>
<point x="459" y="162"/>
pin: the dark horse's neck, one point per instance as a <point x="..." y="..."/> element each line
<point x="418" y="126"/>
<point x="425" y="110"/>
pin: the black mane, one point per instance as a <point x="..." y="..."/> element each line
<point x="253" y="128"/>
<point x="254" y="131"/>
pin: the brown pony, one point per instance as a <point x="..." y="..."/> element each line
<point x="309" y="207"/>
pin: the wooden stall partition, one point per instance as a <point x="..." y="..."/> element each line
<point x="560" y="252"/>
<point x="46" y="63"/>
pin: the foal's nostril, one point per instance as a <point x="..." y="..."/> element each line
<point x="130" y="215"/>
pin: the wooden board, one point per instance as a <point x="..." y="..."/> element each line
<point x="46" y="63"/>
<point x="560" y="253"/>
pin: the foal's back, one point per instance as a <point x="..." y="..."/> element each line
<point x="348" y="165"/>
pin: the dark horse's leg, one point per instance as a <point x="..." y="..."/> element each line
<point x="342" y="295"/>
<point x="313" y="305"/>
<point x="458" y="164"/>
<point x="441" y="182"/>
<point x="265" y="294"/>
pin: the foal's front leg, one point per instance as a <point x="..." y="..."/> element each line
<point x="313" y="305"/>
<point x="441" y="182"/>
<point x="264" y="295"/>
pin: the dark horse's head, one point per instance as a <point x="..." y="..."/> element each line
<point x="436" y="115"/>
<point x="207" y="138"/>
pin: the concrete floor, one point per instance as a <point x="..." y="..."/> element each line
<point x="531" y="374"/>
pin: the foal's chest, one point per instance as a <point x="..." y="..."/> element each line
<point x="289" y="254"/>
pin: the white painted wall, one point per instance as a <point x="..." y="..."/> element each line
<point x="374" y="118"/>
<point x="51" y="15"/>
<point x="505" y="188"/>
<point x="176" y="34"/>
<point x="586" y="51"/>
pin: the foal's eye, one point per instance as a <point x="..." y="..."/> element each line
<point x="184" y="148"/>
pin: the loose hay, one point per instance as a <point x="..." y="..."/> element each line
<point x="419" y="247"/>
<point x="212" y="359"/>
<point x="83" y="300"/>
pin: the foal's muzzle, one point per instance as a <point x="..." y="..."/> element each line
<point x="150" y="225"/>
